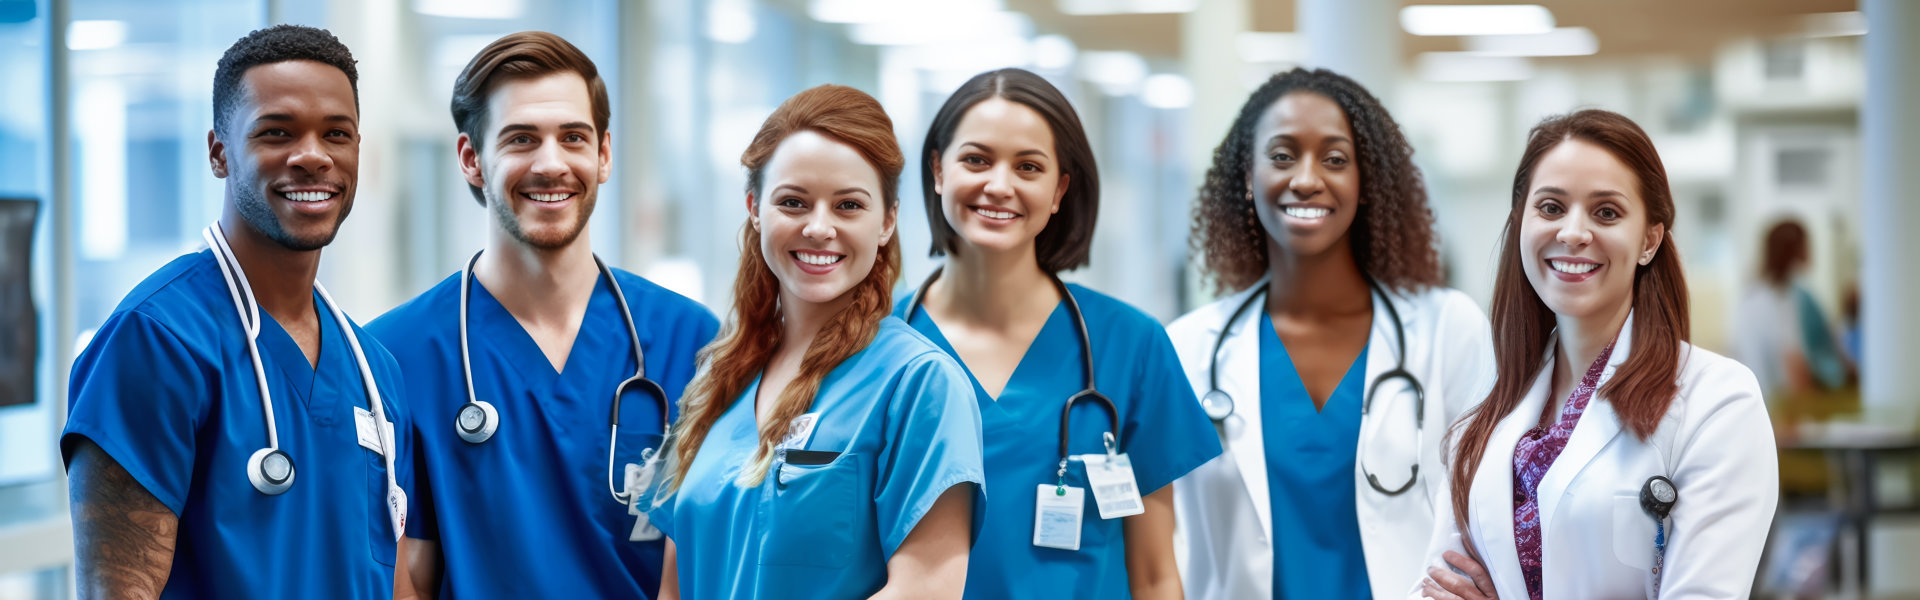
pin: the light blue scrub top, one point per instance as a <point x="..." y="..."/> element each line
<point x="527" y="513"/>
<point x="166" y="388"/>
<point x="1310" y="455"/>
<point x="903" y="421"/>
<point x="1162" y="429"/>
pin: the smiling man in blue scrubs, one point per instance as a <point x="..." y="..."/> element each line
<point x="183" y="484"/>
<point x="514" y="362"/>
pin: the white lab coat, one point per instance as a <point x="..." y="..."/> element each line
<point x="1715" y="443"/>
<point x="1222" y="539"/>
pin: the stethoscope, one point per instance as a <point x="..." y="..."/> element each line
<point x="270" y="469"/>
<point x="1087" y="391"/>
<point x="478" y="420"/>
<point x="1219" y="404"/>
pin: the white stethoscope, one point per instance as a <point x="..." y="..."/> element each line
<point x="1219" y="404"/>
<point x="1087" y="391"/>
<point x="270" y="469"/>
<point x="477" y="419"/>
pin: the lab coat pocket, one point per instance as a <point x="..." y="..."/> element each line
<point x="812" y="510"/>
<point x="1632" y="533"/>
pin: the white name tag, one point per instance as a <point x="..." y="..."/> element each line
<point x="639" y="478"/>
<point x="364" y="429"/>
<point x="799" y="432"/>
<point x="1113" y="486"/>
<point x="1056" y="516"/>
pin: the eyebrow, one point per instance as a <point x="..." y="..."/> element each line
<point x="284" y="117"/>
<point x="840" y="192"/>
<point x="516" y="127"/>
<point x="1547" y="189"/>
<point x="1279" y="137"/>
<point x="986" y="149"/>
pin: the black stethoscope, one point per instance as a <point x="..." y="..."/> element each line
<point x="1219" y="404"/>
<point x="477" y="419"/>
<point x="270" y="469"/>
<point x="1086" y="357"/>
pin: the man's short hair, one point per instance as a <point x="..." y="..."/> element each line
<point x="523" y="55"/>
<point x="279" y="43"/>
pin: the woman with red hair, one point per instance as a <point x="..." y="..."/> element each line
<point x="826" y="450"/>
<point x="1613" y="459"/>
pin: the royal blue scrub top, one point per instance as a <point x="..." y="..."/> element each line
<point x="1310" y="456"/>
<point x="527" y="513"/>
<point x="167" y="389"/>
<point x="901" y="418"/>
<point x="1162" y="429"/>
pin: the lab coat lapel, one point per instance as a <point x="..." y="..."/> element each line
<point x="1597" y="428"/>
<point x="1492" y="495"/>
<point x="1240" y="378"/>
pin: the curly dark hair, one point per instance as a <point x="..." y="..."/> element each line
<point x="274" y="44"/>
<point x="1392" y="236"/>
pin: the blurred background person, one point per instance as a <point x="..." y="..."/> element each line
<point x="1780" y="331"/>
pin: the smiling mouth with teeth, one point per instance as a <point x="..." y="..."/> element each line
<point x="1574" y="268"/>
<point x="549" y="197"/>
<point x="994" y="214"/>
<point x="307" y="196"/>
<point x="1307" y="212"/>
<point x="818" y="259"/>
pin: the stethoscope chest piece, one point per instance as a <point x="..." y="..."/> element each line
<point x="1217" y="404"/>
<point x="1658" y="496"/>
<point x="270" y="470"/>
<point x="477" y="421"/>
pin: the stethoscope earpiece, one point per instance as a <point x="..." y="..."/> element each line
<point x="477" y="421"/>
<point x="270" y="470"/>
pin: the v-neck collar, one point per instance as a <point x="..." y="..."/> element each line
<point x="1289" y="380"/>
<point x="489" y="319"/>
<point x="277" y="347"/>
<point x="1054" y="320"/>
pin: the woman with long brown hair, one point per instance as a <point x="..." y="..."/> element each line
<point x="826" y="451"/>
<point x="1613" y="459"/>
<point x="1333" y="362"/>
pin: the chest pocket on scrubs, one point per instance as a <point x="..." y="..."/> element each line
<point x="1095" y="532"/>
<point x="1632" y="532"/>
<point x="814" y="511"/>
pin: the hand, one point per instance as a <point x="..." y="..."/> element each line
<point x="1444" y="584"/>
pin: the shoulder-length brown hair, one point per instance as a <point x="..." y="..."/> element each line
<point x="1643" y="386"/>
<point x="848" y="116"/>
<point x="1392" y="235"/>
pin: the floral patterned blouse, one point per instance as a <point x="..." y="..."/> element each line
<point x="1532" y="457"/>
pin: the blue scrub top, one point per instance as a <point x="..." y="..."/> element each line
<point x="1162" y="429"/>
<point x="167" y="389"/>
<point x="527" y="513"/>
<point x="1310" y="456"/>
<point x="903" y="421"/>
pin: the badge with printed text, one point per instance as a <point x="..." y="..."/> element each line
<point x="1114" y="492"/>
<point x="1056" y="516"/>
<point x="799" y="432"/>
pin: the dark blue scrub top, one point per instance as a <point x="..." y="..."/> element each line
<point x="1310" y="461"/>
<point x="167" y="389"/>
<point x="527" y="513"/>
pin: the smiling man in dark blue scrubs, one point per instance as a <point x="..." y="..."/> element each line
<point x="513" y="364"/>
<point x="230" y="431"/>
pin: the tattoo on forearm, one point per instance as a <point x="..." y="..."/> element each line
<point x="123" y="537"/>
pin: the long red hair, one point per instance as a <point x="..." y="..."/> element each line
<point x="753" y="332"/>
<point x="1643" y="386"/>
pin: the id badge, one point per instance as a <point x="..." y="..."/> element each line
<point x="639" y="477"/>
<point x="397" y="510"/>
<point x="799" y="432"/>
<point x="1056" y="516"/>
<point x="1111" y="477"/>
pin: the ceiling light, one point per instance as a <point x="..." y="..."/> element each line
<point x="1468" y="66"/>
<point x="877" y="11"/>
<point x="1563" y="41"/>
<point x="1167" y="90"/>
<point x="472" y="9"/>
<point x="1121" y="7"/>
<point x="1502" y="19"/>
<point x="1053" y="52"/>
<point x="96" y="35"/>
<point x="1117" y="73"/>
<point x="939" y="29"/>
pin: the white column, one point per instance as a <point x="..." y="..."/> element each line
<point x="1356" y="38"/>
<point x="1214" y="67"/>
<point x="1890" y="138"/>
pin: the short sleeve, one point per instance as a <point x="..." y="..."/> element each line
<point x="1166" y="433"/>
<point x="933" y="443"/>
<point x="140" y="393"/>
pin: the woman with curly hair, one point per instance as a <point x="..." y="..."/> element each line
<point x="825" y="450"/>
<point x="1333" y="396"/>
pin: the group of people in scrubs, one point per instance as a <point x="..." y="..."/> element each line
<point x="541" y="424"/>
